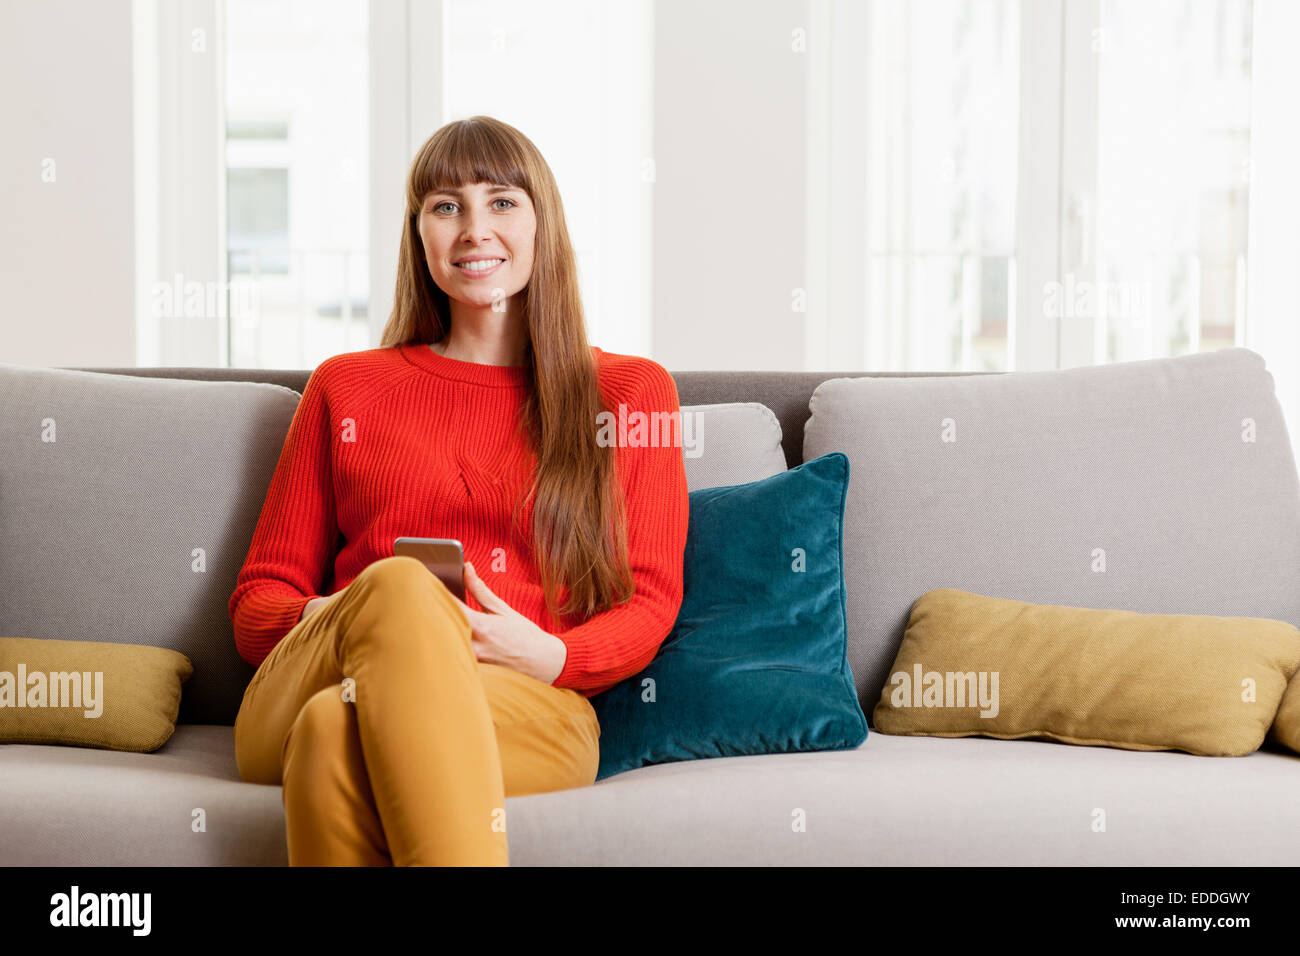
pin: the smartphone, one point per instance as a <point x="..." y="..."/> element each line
<point x="443" y="556"/>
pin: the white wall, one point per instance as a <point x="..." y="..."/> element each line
<point x="729" y="188"/>
<point x="66" y="247"/>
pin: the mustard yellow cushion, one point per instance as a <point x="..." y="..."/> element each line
<point x="1286" y="725"/>
<point x="86" y="694"/>
<point x="975" y="665"/>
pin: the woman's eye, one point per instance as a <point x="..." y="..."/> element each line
<point x="510" y="203"/>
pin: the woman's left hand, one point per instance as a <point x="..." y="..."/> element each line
<point x="501" y="635"/>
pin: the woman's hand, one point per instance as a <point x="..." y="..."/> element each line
<point x="501" y="635"/>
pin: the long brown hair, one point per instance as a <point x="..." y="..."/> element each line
<point x="579" y="532"/>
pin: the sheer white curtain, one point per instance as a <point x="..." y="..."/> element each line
<point x="1154" y="209"/>
<point x="1272" y="305"/>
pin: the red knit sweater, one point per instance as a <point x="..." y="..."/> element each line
<point x="404" y="441"/>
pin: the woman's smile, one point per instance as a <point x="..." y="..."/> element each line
<point x="476" y="267"/>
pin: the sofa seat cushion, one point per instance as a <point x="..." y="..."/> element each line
<point x="902" y="801"/>
<point x="74" y="806"/>
<point x="893" y="801"/>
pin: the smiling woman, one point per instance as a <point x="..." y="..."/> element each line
<point x="475" y="419"/>
<point x="479" y="189"/>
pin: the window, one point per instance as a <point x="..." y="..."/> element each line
<point x="1173" y="176"/>
<point x="297" y="186"/>
<point x="285" y="130"/>
<point x="913" y="159"/>
<point x="1048" y="183"/>
<point x="257" y="218"/>
<point x="943" y="81"/>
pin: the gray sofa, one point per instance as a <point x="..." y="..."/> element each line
<point x="133" y="525"/>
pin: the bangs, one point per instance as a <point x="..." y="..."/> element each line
<point x="469" y="153"/>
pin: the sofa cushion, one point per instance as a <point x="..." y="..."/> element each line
<point x="91" y="693"/>
<point x="733" y="443"/>
<point x="894" y="801"/>
<point x="1160" y="486"/>
<point x="182" y="805"/>
<point x="925" y="801"/>
<point x="1286" y="724"/>
<point x="972" y="664"/>
<point x="127" y="506"/>
<point x="755" y="663"/>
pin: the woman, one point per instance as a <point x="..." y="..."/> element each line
<point x="397" y="717"/>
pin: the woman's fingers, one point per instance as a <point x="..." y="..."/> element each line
<point x="482" y="593"/>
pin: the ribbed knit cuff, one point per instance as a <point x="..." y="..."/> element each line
<point x="258" y="633"/>
<point x="577" y="665"/>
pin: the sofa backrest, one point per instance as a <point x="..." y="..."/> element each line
<point x="128" y="497"/>
<point x="1162" y="486"/>
<point x="126" y="510"/>
<point x="785" y="393"/>
<point x="1143" y="461"/>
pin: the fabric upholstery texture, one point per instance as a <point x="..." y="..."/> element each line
<point x="786" y="394"/>
<point x="91" y="693"/>
<point x="894" y="801"/>
<point x="973" y="664"/>
<point x="735" y="443"/>
<point x="127" y="506"/>
<point x="1286" y="725"/>
<point x="131" y="524"/>
<point x="1163" y="486"/>
<point x="756" y="660"/>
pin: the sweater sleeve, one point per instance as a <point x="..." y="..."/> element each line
<point x="292" y="546"/>
<point x="617" y="643"/>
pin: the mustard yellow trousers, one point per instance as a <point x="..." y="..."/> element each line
<point x="393" y="744"/>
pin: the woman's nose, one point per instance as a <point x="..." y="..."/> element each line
<point x="475" y="225"/>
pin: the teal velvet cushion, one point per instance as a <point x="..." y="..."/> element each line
<point x="756" y="662"/>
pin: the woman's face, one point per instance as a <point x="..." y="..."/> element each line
<point x="483" y="222"/>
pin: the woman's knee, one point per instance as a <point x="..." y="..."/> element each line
<point x="325" y="727"/>
<point x="401" y="584"/>
<point x="398" y="572"/>
<point x="400" y="577"/>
